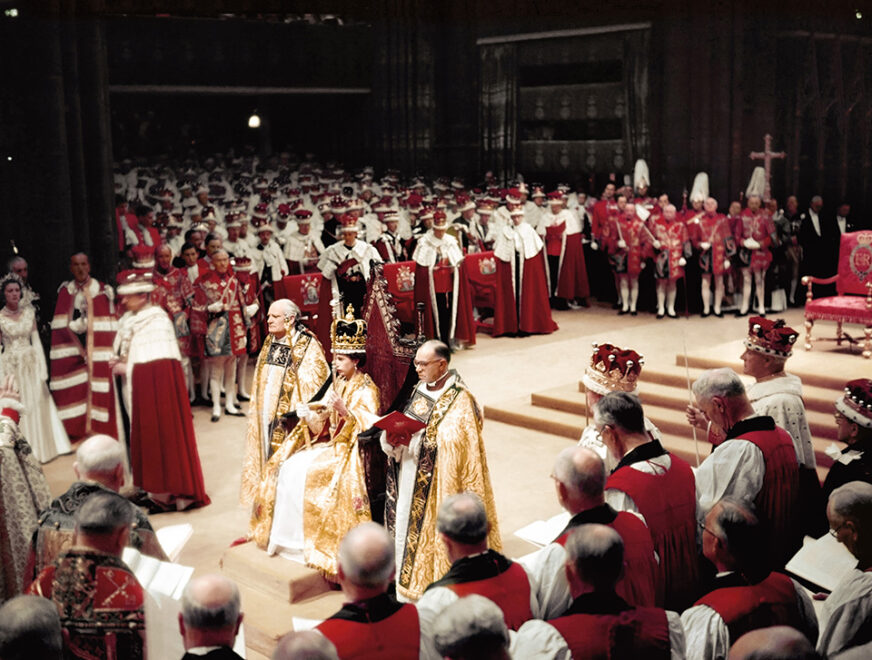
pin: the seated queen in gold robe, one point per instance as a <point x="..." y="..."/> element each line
<point x="313" y="491"/>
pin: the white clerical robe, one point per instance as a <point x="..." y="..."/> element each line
<point x="550" y="589"/>
<point x="539" y="640"/>
<point x="846" y="614"/>
<point x="708" y="638"/>
<point x="735" y="468"/>
<point x="781" y="399"/>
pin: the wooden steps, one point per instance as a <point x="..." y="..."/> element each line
<point x="274" y="576"/>
<point x="561" y="411"/>
<point x="274" y="590"/>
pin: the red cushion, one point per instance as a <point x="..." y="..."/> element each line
<point x="847" y="309"/>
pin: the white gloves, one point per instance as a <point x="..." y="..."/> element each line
<point x="727" y="264"/>
<point x="79" y="325"/>
<point x="751" y="244"/>
<point x="594" y="245"/>
<point x="622" y="244"/>
<point x="303" y="411"/>
<point x="682" y="261"/>
<point x="215" y="307"/>
<point x="643" y="264"/>
<point x="251" y="310"/>
<point x="704" y="246"/>
<point x="656" y="244"/>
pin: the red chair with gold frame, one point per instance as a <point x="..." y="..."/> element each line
<point x="853" y="302"/>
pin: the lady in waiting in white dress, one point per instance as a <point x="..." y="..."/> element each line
<point x="22" y="357"/>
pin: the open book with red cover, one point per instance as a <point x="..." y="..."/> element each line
<point x="400" y="424"/>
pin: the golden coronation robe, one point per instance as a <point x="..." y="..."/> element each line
<point x="444" y="459"/>
<point x="334" y="498"/>
<point x="289" y="371"/>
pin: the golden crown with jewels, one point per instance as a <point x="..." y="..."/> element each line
<point x="348" y="335"/>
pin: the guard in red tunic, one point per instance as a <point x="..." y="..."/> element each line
<point x="627" y="246"/>
<point x="100" y="602"/>
<point x="522" y="281"/>
<point x="372" y="624"/>
<point x="475" y="569"/>
<point x="673" y="248"/>
<point x="561" y="230"/>
<point x="657" y="485"/>
<point x="83" y="329"/>
<point x="754" y="237"/>
<point x="442" y="286"/>
<point x="220" y="318"/>
<point x="711" y="236"/>
<point x="251" y="296"/>
<point x="760" y="456"/>
<point x="599" y="623"/>
<point x="745" y="595"/>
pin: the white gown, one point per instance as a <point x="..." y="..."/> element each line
<point x="23" y="358"/>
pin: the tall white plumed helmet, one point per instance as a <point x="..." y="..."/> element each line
<point x="700" y="189"/>
<point x="757" y="184"/>
<point x="641" y="177"/>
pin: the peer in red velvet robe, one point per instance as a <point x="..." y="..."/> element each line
<point x="522" y="305"/>
<point x="561" y="230"/>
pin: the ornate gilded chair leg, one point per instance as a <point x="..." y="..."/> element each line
<point x="808" y="324"/>
<point x="867" y="345"/>
<point x="839" y="333"/>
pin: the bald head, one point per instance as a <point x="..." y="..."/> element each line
<point x="366" y="556"/>
<point x="100" y="458"/>
<point x="305" y="645"/>
<point x="581" y="471"/>
<point x="438" y="348"/>
<point x="774" y="643"/>
<point x="463" y="519"/>
<point x="596" y="556"/>
<point x="210" y="613"/>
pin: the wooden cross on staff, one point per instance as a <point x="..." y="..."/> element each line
<point x="766" y="156"/>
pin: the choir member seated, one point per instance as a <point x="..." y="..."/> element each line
<point x="472" y="628"/>
<point x="30" y="628"/>
<point x="599" y="623"/>
<point x="475" y="569"/>
<point x="579" y="479"/>
<point x="372" y="623"/>
<point x="747" y="595"/>
<point x="846" y="612"/>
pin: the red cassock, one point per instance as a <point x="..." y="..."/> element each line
<point x="667" y="501"/>
<point x="638" y="584"/>
<point x="374" y="629"/>
<point x="771" y="602"/>
<point x="522" y="301"/>
<point x="81" y="380"/>
<point x="564" y="240"/>
<point x="673" y="239"/>
<point x="715" y="229"/>
<point x="174" y="293"/>
<point x="641" y="632"/>
<point x="495" y="577"/>
<point x="760" y="227"/>
<point x="777" y="501"/>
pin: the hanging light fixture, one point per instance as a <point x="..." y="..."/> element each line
<point x="254" y="120"/>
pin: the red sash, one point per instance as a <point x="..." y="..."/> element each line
<point x="397" y="636"/>
<point x="771" y="602"/>
<point x="510" y="590"/>
<point x="668" y="504"/>
<point x="642" y="632"/>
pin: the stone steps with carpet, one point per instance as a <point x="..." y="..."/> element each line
<point x="274" y="590"/>
<point x="562" y="410"/>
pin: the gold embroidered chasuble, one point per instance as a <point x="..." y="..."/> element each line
<point x="284" y="376"/>
<point x="335" y="498"/>
<point x="451" y="460"/>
